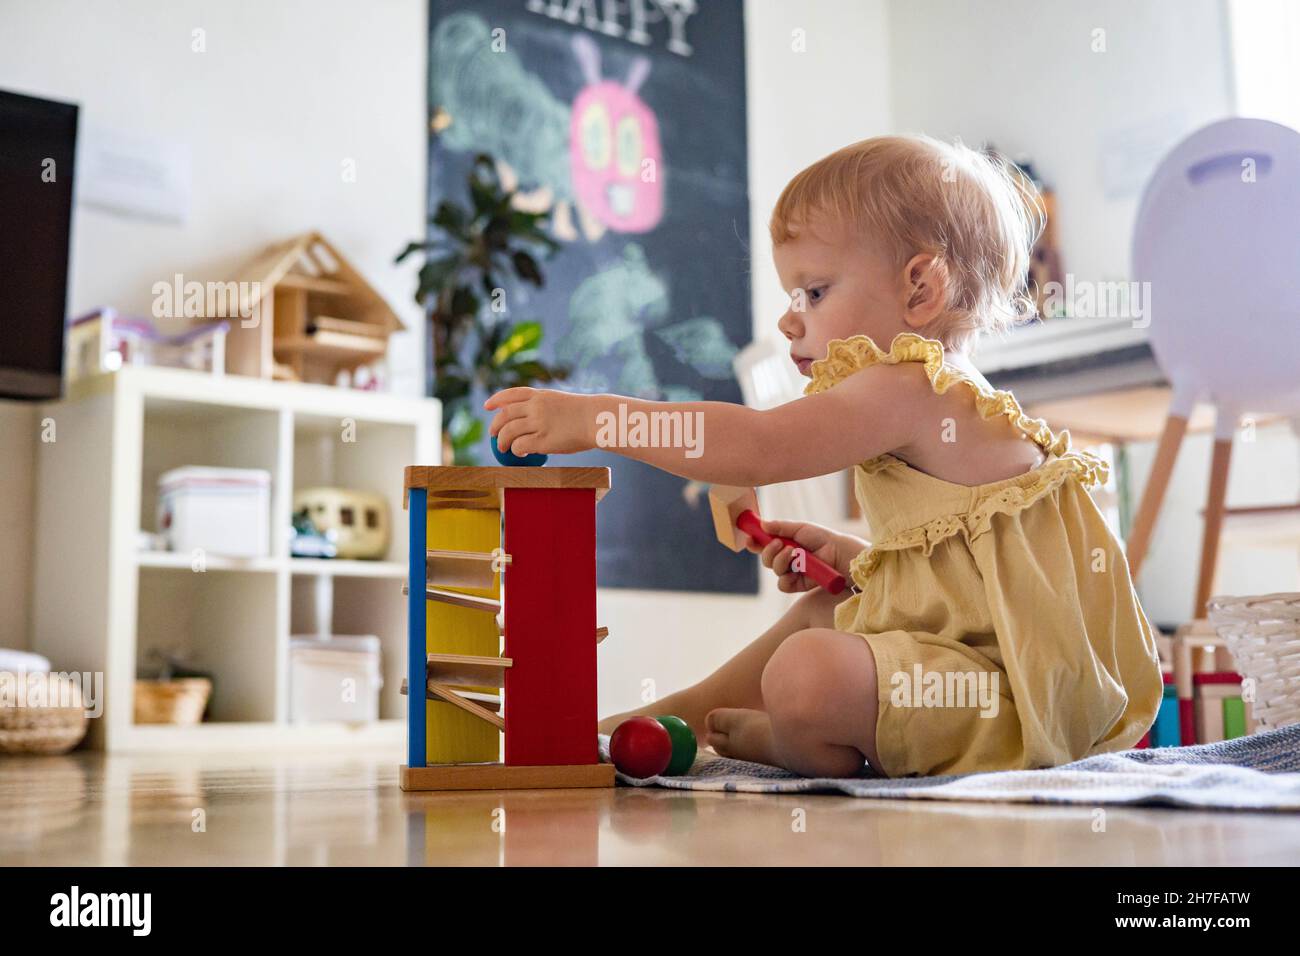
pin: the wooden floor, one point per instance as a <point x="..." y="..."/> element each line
<point x="331" y="809"/>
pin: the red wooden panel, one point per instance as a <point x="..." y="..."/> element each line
<point x="550" y="625"/>
<point x="1187" y="721"/>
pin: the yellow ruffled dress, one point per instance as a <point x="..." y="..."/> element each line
<point x="1003" y="620"/>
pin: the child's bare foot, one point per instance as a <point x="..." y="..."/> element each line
<point x="610" y="724"/>
<point x="691" y="704"/>
<point x="741" y="734"/>
<point x="673" y="704"/>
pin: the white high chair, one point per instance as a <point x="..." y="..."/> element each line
<point x="1217" y="236"/>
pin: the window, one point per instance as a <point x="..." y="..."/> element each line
<point x="1266" y="59"/>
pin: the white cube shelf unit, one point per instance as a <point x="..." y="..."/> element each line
<point x="101" y="604"/>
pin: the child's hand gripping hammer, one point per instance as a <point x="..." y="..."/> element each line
<point x="736" y="509"/>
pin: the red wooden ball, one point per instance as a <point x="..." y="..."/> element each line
<point x="640" y="747"/>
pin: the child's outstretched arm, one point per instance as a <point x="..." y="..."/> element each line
<point x="873" y="411"/>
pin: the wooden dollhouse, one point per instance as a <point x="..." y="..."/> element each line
<point x="315" y="315"/>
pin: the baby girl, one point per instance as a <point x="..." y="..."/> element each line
<point x="993" y="623"/>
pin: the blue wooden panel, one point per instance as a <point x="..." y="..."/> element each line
<point x="416" y="656"/>
<point x="1166" y="731"/>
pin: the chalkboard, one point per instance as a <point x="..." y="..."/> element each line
<point x="630" y="117"/>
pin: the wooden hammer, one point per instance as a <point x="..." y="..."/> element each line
<point x="737" y="509"/>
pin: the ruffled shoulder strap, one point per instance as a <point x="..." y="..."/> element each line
<point x="846" y="356"/>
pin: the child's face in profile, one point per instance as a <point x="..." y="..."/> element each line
<point x="839" y="286"/>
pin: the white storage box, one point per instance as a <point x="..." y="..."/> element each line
<point x="334" y="679"/>
<point x="222" y="511"/>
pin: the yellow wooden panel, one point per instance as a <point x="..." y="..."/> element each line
<point x="454" y="736"/>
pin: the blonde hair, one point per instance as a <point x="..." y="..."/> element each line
<point x="976" y="214"/>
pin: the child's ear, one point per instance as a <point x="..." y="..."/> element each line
<point x="925" y="281"/>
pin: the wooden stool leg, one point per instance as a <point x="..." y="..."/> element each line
<point x="1153" y="495"/>
<point x="1213" y="522"/>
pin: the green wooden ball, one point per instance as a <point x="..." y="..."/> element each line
<point x="679" y="732"/>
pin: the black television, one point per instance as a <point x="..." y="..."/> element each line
<point x="38" y="143"/>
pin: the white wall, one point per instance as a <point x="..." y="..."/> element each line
<point x="18" y="435"/>
<point x="804" y="105"/>
<point x="1022" y="74"/>
<point x="285" y="91"/>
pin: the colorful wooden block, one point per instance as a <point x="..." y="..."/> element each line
<point x="546" y="592"/>
<point x="415" y="650"/>
<point x="550" y="616"/>
<point x="1234" y="718"/>
<point x="1165" y="732"/>
<point x="458" y="625"/>
<point x="1210" y="692"/>
<point x="1197" y="649"/>
<point x="1208" y="712"/>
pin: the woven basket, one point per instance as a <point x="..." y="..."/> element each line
<point x="178" y="701"/>
<point x="53" y="727"/>
<point x="1263" y="633"/>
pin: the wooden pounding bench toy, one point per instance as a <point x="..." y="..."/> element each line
<point x="476" y="532"/>
<point x="736" y="509"/>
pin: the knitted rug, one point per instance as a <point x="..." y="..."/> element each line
<point x="1259" y="772"/>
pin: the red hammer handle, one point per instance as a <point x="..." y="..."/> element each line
<point x="817" y="569"/>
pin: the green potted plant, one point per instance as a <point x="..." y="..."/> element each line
<point x="473" y="342"/>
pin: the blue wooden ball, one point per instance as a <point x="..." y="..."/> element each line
<point x="508" y="458"/>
